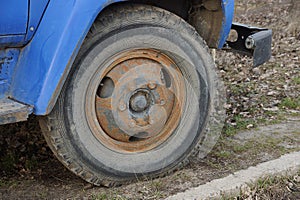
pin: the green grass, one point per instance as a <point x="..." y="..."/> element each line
<point x="31" y="163"/>
<point x="157" y="186"/>
<point x="223" y="154"/>
<point x="154" y="189"/>
<point x="269" y="187"/>
<point x="8" y="183"/>
<point x="101" y="196"/>
<point x="228" y="149"/>
<point x="4" y="183"/>
<point x="240" y="148"/>
<point x="266" y="182"/>
<point x="181" y="175"/>
<point x="105" y="196"/>
<point x="241" y="123"/>
<point x="290" y="103"/>
<point x="261" y="185"/>
<point x="296" y="80"/>
<point x="7" y="162"/>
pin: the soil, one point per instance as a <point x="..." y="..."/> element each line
<point x="263" y="101"/>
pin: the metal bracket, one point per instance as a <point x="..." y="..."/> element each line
<point x="251" y="41"/>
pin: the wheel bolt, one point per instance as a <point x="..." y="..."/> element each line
<point x="162" y="102"/>
<point x="132" y="123"/>
<point x="151" y="121"/>
<point x="151" y="86"/>
<point x="122" y="107"/>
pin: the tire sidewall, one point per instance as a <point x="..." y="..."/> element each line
<point x="99" y="158"/>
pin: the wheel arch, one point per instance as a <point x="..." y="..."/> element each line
<point x="211" y="18"/>
<point x="45" y="62"/>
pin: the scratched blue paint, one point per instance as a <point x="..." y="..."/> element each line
<point x="8" y="61"/>
<point x="52" y="50"/>
<point x="11" y="40"/>
<point x="228" y="11"/>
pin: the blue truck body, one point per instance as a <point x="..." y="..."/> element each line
<point x="123" y="89"/>
<point x="42" y="38"/>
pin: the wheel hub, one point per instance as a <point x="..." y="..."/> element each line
<point x="140" y="101"/>
<point x="137" y="99"/>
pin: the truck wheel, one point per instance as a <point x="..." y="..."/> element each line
<point x="141" y="98"/>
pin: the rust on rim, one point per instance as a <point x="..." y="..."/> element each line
<point x="139" y="101"/>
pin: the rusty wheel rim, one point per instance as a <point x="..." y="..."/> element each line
<point x="137" y="102"/>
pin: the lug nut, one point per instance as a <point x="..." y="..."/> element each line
<point x="151" y="121"/>
<point x="151" y="86"/>
<point x="132" y="123"/>
<point x="162" y="102"/>
<point x="122" y="107"/>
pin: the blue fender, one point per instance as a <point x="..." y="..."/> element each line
<point x="228" y="11"/>
<point x="46" y="61"/>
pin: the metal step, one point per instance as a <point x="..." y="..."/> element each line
<point x="12" y="111"/>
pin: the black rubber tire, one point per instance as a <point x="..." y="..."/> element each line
<point x="119" y="28"/>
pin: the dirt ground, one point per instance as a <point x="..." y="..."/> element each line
<point x="48" y="179"/>
<point x="263" y="107"/>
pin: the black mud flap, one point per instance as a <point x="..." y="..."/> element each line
<point x="251" y="41"/>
